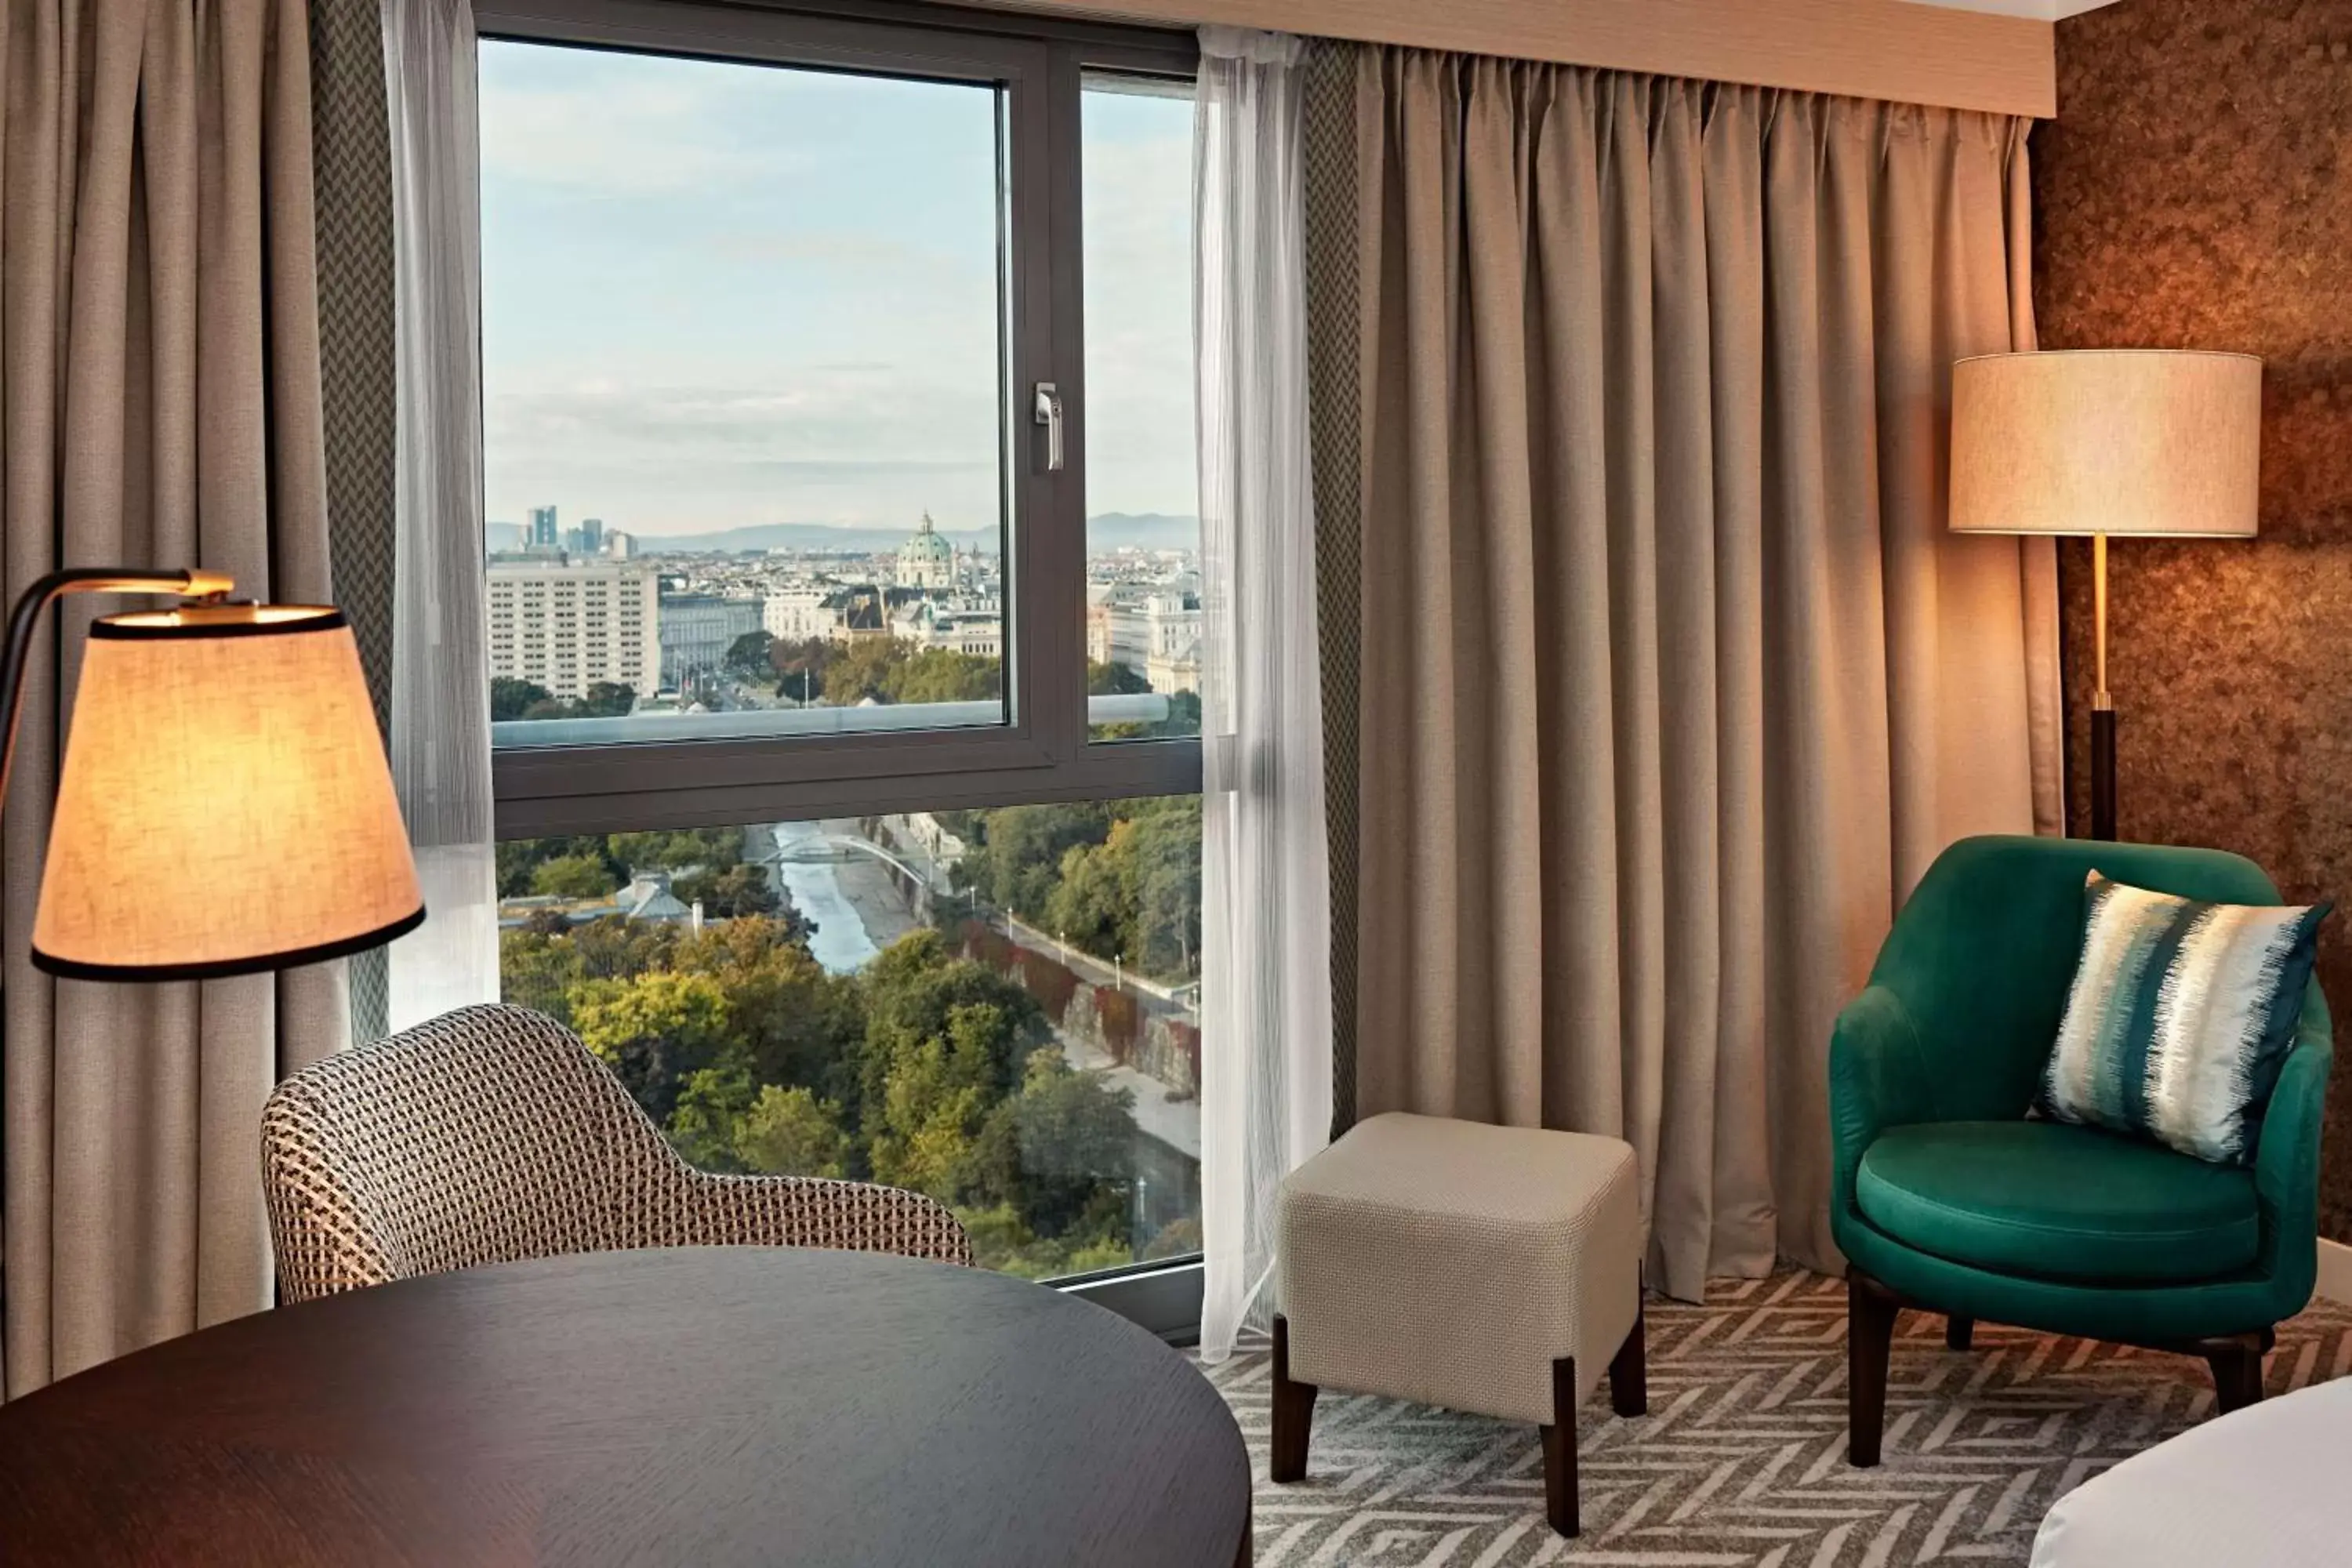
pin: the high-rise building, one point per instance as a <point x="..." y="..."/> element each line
<point x="592" y="535"/>
<point x="544" y="532"/>
<point x="620" y="545"/>
<point x="567" y="626"/>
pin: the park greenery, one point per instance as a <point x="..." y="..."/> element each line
<point x="925" y="1068"/>
<point x="706" y="865"/>
<point x="1118" y="878"/>
<point x="512" y="699"/>
<point x="826" y="672"/>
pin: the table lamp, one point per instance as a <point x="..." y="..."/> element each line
<point x="2127" y="442"/>
<point x="225" y="806"/>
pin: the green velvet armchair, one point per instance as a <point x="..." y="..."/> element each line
<point x="1948" y="1199"/>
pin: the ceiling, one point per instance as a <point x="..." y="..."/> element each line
<point x="2042" y="10"/>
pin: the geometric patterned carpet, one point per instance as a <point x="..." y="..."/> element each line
<point x="1741" y="1461"/>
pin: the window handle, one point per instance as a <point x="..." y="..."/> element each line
<point x="1049" y="413"/>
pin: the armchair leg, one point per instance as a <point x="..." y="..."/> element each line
<point x="2237" y="1363"/>
<point x="1293" y="1411"/>
<point x="1870" y="1310"/>
<point x="1959" y="1333"/>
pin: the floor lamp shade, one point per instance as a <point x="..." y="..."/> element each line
<point x="225" y="805"/>
<point x="2132" y="441"/>
<point x="2129" y="442"/>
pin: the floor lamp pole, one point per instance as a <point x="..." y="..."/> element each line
<point x="2103" y="703"/>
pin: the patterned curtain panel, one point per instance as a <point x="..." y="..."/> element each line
<point x="352" y="156"/>
<point x="159" y="313"/>
<point x="1671" y="678"/>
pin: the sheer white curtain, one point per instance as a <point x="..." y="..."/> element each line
<point x="1264" y="877"/>
<point x="440" y="688"/>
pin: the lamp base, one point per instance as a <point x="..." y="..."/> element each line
<point x="2103" y="771"/>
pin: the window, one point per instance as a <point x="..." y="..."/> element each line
<point x="998" y="1007"/>
<point x="1143" y="545"/>
<point x="790" y="436"/>
<point x="838" y="391"/>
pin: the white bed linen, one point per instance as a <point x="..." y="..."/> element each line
<point x="2268" y="1485"/>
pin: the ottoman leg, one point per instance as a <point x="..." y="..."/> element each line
<point x="1559" y="1449"/>
<point x="1959" y="1333"/>
<point x="1293" y="1411"/>
<point x="1629" y="1373"/>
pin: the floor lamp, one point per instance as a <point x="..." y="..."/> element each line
<point x="225" y="806"/>
<point x="2141" y="443"/>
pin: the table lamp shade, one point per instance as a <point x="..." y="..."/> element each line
<point x="225" y="805"/>
<point x="2106" y="442"/>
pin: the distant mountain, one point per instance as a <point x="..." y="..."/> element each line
<point x="1111" y="531"/>
<point x="808" y="536"/>
<point x="1142" y="531"/>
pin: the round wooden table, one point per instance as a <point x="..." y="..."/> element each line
<point x="701" y="1405"/>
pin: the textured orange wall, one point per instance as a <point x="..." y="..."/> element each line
<point x="2192" y="195"/>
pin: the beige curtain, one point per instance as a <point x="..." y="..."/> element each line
<point x="158" y="365"/>
<point x="1673" y="682"/>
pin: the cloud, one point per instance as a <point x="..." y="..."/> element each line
<point x="850" y="444"/>
<point x="594" y="129"/>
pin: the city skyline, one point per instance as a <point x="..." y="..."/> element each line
<point x="1108" y="534"/>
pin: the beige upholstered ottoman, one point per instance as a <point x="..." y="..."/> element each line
<point x="1492" y="1269"/>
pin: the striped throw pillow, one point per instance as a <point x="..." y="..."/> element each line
<point x="2180" y="1017"/>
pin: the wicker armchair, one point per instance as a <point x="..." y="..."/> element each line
<point x="492" y="1134"/>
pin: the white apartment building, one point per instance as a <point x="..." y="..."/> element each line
<point x="566" y="625"/>
<point x="975" y="629"/>
<point x="799" y="613"/>
<point x="1155" y="632"/>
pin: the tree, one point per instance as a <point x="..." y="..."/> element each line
<point x="1114" y="681"/>
<point x="748" y="657"/>
<point x="1062" y="1150"/>
<point x="942" y="675"/>
<point x="538" y="970"/>
<point x="579" y="876"/>
<point x="934" y="1093"/>
<point x="916" y="986"/>
<point x="1091" y="905"/>
<point x="511" y="699"/>
<point x="864" y="668"/>
<point x="739" y="889"/>
<point x="709" y="1116"/>
<point x="607" y="700"/>
<point x="1163" y="936"/>
<point x="704" y="849"/>
<point x="1019" y="857"/>
<point x="792" y="1132"/>
<point x="801" y="666"/>
<point x="1122" y="878"/>
<point x="653" y="1031"/>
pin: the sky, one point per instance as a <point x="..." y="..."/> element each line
<point x="715" y="295"/>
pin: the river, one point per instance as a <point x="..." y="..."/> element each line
<point x="853" y="903"/>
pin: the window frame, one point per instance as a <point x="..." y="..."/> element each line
<point x="1042" y="752"/>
